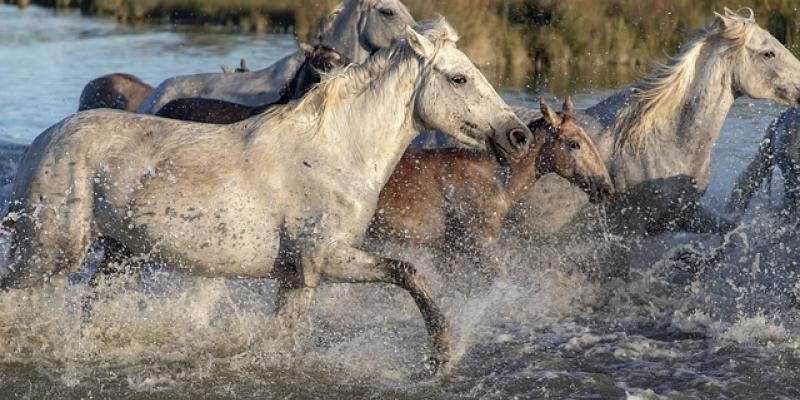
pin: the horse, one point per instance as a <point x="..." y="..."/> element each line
<point x="779" y="147"/>
<point x="457" y="198"/>
<point x="665" y="126"/>
<point x="119" y="91"/>
<point x="355" y="29"/>
<point x="318" y="59"/>
<point x="123" y="91"/>
<point x="288" y="195"/>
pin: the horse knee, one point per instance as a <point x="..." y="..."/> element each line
<point x="402" y="273"/>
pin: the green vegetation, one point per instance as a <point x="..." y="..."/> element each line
<point x="515" y="42"/>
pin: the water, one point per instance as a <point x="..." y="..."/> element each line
<point x="554" y="332"/>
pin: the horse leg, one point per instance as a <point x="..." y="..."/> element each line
<point x="51" y="239"/>
<point x="351" y="265"/>
<point x="294" y="301"/>
<point x="115" y="254"/>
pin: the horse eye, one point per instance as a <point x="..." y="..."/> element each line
<point x="387" y="12"/>
<point x="328" y="66"/>
<point x="458" y="79"/>
<point x="573" y="145"/>
<point x="768" y="54"/>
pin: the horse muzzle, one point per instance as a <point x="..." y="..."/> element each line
<point x="599" y="190"/>
<point x="512" y="146"/>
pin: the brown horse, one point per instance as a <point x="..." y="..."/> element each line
<point x="318" y="59"/>
<point x="455" y="198"/>
<point x="119" y="91"/>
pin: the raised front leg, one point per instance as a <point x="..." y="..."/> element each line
<point x="351" y="265"/>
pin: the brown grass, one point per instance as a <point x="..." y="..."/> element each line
<point x="515" y="42"/>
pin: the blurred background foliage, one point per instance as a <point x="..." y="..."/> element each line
<point x="560" y="44"/>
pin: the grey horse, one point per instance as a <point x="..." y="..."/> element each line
<point x="354" y="29"/>
<point x="287" y="194"/>
<point x="662" y="129"/>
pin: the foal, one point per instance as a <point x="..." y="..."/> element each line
<point x="318" y="59"/>
<point x="458" y="198"/>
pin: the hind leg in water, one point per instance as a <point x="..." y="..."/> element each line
<point x="115" y="255"/>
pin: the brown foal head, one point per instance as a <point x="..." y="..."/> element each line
<point x="569" y="152"/>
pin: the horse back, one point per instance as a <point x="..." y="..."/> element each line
<point x="209" y="111"/>
<point x="247" y="88"/>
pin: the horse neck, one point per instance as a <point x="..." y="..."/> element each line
<point x="382" y="90"/>
<point x="525" y="173"/>
<point x="344" y="37"/>
<point x="691" y="137"/>
<point x="299" y="85"/>
<point x="378" y="142"/>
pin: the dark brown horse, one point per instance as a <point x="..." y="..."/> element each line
<point x="458" y="199"/>
<point x="319" y="59"/>
<point x="119" y="91"/>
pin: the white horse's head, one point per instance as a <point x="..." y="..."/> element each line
<point x="763" y="67"/>
<point x="453" y="96"/>
<point x="382" y="23"/>
<point x="359" y="27"/>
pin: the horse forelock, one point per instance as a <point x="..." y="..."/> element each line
<point x="659" y="96"/>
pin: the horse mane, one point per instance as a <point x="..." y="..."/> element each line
<point x="660" y="95"/>
<point x="353" y="79"/>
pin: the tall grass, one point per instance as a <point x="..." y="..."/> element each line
<point x="515" y="42"/>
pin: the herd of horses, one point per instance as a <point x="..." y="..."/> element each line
<point x="282" y="172"/>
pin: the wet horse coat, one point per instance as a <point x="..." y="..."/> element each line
<point x="354" y="29"/>
<point x="458" y="199"/>
<point x="665" y="127"/>
<point x="286" y="195"/>
<point x="119" y="91"/>
<point x="319" y="59"/>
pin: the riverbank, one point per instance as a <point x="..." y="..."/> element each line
<point x="517" y="43"/>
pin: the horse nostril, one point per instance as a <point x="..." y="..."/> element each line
<point x="518" y="138"/>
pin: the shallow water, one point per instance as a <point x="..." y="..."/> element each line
<point x="555" y="332"/>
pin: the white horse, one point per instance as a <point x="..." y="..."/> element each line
<point x="355" y="29"/>
<point x="781" y="147"/>
<point x="665" y="127"/>
<point x="287" y="194"/>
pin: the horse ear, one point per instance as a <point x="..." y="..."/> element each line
<point x="420" y="44"/>
<point x="305" y="48"/>
<point x="728" y="18"/>
<point x="568" y="107"/>
<point x="549" y="115"/>
<point x="243" y="66"/>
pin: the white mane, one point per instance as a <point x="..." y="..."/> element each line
<point x="660" y="95"/>
<point x="354" y="79"/>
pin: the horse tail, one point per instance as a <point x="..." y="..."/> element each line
<point x="758" y="172"/>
